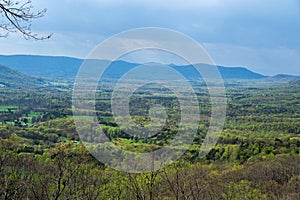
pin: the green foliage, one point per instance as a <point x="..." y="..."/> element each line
<point x="256" y="157"/>
<point x="242" y="191"/>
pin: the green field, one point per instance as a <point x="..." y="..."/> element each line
<point x="6" y="108"/>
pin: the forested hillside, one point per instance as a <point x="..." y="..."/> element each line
<point x="10" y="78"/>
<point x="256" y="157"/>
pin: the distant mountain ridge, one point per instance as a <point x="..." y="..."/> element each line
<point x="225" y="72"/>
<point x="60" y="67"/>
<point x="283" y="77"/>
<point x="43" y="66"/>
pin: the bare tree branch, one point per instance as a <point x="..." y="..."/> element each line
<point x="17" y="17"/>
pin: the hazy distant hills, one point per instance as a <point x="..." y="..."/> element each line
<point x="43" y="66"/>
<point x="66" y="68"/>
<point x="295" y="81"/>
<point x="10" y="78"/>
<point x="20" y="71"/>
<point x="283" y="77"/>
<point x="226" y="72"/>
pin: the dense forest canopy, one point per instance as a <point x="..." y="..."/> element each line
<point x="257" y="155"/>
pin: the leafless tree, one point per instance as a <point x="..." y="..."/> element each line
<point x="17" y="16"/>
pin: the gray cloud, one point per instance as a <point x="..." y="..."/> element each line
<point x="262" y="26"/>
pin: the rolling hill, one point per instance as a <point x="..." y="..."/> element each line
<point x="10" y="78"/>
<point x="283" y="77"/>
<point x="295" y="82"/>
<point x="65" y="68"/>
<point x="280" y="79"/>
<point x="43" y="66"/>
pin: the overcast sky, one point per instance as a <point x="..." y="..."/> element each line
<point x="262" y="35"/>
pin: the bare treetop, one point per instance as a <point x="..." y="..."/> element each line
<point x="17" y="16"/>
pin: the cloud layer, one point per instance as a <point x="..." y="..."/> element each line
<point x="263" y="35"/>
